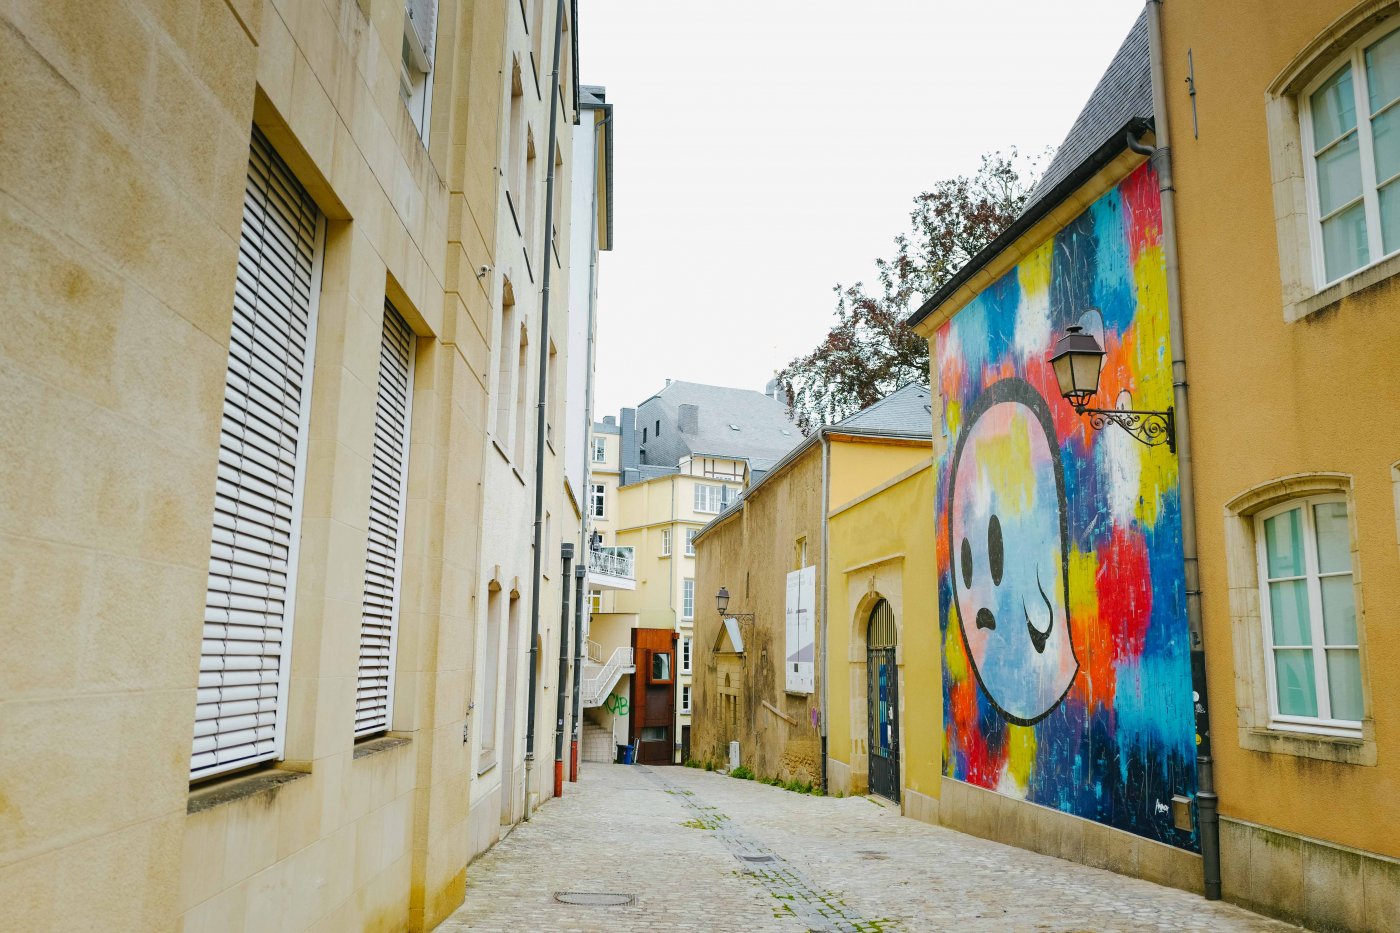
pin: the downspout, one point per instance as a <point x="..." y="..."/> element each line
<point x="826" y="609"/>
<point x="584" y="546"/>
<point x="543" y="388"/>
<point x="564" y="586"/>
<point x="580" y="575"/>
<point x="1207" y="803"/>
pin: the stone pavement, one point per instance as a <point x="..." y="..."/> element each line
<point x="700" y="851"/>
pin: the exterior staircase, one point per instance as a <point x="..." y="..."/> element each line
<point x="599" y="676"/>
<point x="598" y="742"/>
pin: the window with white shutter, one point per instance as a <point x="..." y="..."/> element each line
<point x="374" y="692"/>
<point x="244" y="661"/>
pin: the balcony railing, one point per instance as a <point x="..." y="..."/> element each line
<point x="613" y="561"/>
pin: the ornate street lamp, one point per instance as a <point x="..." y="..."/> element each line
<point x="722" y="602"/>
<point x="1078" y="361"/>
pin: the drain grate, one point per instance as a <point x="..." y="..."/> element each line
<point x="594" y="899"/>
<point x="758" y="858"/>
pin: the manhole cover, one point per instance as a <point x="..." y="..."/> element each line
<point x="594" y="899"/>
<point x="757" y="858"/>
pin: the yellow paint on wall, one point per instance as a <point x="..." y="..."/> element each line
<point x="1033" y="273"/>
<point x="953" y="654"/>
<point x="1020" y="754"/>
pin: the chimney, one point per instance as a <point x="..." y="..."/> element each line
<point x="688" y="419"/>
<point x="630" y="456"/>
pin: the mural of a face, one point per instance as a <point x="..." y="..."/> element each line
<point x="1008" y="534"/>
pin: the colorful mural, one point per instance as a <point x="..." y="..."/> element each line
<point x="1067" y="677"/>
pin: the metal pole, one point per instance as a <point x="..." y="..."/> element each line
<point x="543" y="388"/>
<point x="559" y="708"/>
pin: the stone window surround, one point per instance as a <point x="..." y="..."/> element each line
<point x="1247" y="626"/>
<point x="1302" y="295"/>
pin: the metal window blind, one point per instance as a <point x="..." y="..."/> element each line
<point x="384" y="559"/>
<point x="244" y="661"/>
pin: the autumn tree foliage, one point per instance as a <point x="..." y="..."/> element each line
<point x="869" y="351"/>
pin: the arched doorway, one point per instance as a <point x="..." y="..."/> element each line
<point x="882" y="697"/>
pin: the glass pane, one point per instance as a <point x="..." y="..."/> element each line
<point x="1383" y="71"/>
<point x="1333" y="108"/>
<point x="1344" y="245"/>
<point x="1390" y="216"/>
<point x="1339" y="174"/>
<point x="1339" y="610"/>
<point x="1333" y="537"/>
<point x="1344" y="683"/>
<point x="1297" y="691"/>
<point x="1385" y="132"/>
<point x="660" y="666"/>
<point x="1283" y="539"/>
<point x="1288" y="608"/>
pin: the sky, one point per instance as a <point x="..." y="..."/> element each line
<point x="766" y="150"/>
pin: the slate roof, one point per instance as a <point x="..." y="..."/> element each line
<point x="764" y="430"/>
<point x="1123" y="94"/>
<point x="906" y="411"/>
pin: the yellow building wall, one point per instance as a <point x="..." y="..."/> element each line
<point x="858" y="465"/>
<point x="126" y="145"/>
<point x="882" y="547"/>
<point x="751" y="553"/>
<point x="1270" y="399"/>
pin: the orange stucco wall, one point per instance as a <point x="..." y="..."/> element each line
<point x="1270" y="398"/>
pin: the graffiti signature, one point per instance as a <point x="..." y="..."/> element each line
<point x="616" y="704"/>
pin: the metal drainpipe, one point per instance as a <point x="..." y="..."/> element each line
<point x="825" y="610"/>
<point x="584" y="547"/>
<point x="580" y="575"/>
<point x="564" y="587"/>
<point x="540" y="407"/>
<point x="1206" y="800"/>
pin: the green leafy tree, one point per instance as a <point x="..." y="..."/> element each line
<point x="870" y="351"/>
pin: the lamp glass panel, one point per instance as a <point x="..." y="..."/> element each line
<point x="1064" y="374"/>
<point x="1087" y="367"/>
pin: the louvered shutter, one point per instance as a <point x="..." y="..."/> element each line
<point x="384" y="560"/>
<point x="252" y="565"/>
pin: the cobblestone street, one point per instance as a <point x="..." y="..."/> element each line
<point x="701" y="851"/>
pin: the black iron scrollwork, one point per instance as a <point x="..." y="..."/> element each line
<point x="1149" y="427"/>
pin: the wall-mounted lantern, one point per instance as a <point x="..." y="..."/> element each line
<point x="1078" y="361"/>
<point x="722" y="602"/>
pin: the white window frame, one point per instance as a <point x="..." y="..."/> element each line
<point x="600" y="450"/>
<point x="416" y="73"/>
<point x="598" y="500"/>
<point x="685" y="653"/>
<point x="712" y="498"/>
<point x="665" y="542"/>
<point x="1355" y="59"/>
<point x="690" y="535"/>
<point x="687" y="599"/>
<point x="1323" y="723"/>
<point x="595" y="602"/>
<point x="685" y="699"/>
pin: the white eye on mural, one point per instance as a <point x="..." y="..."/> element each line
<point x="1007" y="516"/>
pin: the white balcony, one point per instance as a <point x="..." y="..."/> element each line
<point x="612" y="568"/>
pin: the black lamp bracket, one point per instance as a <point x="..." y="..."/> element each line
<point x="1152" y="428"/>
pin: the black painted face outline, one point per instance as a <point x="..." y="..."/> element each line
<point x="1023" y="393"/>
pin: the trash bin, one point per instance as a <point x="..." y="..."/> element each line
<point x="624" y="755"/>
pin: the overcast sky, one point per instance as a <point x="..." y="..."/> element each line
<point x="769" y="149"/>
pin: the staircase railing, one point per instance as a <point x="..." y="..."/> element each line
<point x="597" y="685"/>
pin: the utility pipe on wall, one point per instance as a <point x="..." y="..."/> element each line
<point x="580" y="574"/>
<point x="825" y="611"/>
<point x="568" y="554"/>
<point x="543" y="389"/>
<point x="1208" y="819"/>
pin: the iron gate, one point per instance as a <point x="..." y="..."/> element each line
<point x="882" y="697"/>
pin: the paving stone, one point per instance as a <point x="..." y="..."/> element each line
<point x="702" y="851"/>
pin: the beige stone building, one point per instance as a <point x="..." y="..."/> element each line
<point x="256" y="270"/>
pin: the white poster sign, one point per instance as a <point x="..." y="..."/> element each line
<point x="801" y="630"/>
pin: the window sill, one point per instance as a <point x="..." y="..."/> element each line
<point x="1328" y="298"/>
<point x="486" y="768"/>
<point x="240" y="787"/>
<point x="1351" y="750"/>
<point x="383" y="743"/>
